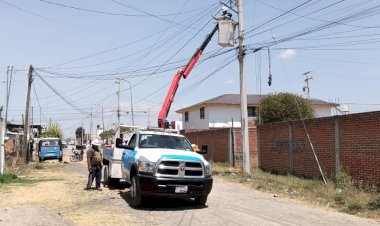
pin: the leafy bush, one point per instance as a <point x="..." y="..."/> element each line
<point x="343" y="180"/>
<point x="374" y="204"/>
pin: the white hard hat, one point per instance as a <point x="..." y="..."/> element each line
<point x="224" y="8"/>
<point x="95" y="142"/>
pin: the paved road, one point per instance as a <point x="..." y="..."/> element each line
<point x="228" y="204"/>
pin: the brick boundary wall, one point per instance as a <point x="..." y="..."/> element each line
<point x="349" y="142"/>
<point x="221" y="142"/>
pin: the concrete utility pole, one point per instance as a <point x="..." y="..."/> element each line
<point x="82" y="134"/>
<point x="130" y="91"/>
<point x="8" y="90"/>
<point x="91" y="125"/>
<point x="25" y="140"/>
<point x="2" y="151"/>
<point x="118" y="100"/>
<point x="103" y="127"/>
<point x="306" y="88"/>
<point x="243" y="91"/>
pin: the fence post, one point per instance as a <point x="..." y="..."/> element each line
<point x="337" y="147"/>
<point x="230" y="155"/>
<point x="290" y="148"/>
<point x="258" y="146"/>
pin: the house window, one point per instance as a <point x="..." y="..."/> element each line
<point x="251" y="111"/>
<point x="186" y="116"/>
<point x="202" y="112"/>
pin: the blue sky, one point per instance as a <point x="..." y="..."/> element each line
<point x="80" y="47"/>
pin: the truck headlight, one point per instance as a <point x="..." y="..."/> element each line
<point x="146" y="167"/>
<point x="208" y="170"/>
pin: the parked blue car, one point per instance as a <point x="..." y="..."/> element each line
<point x="50" y="148"/>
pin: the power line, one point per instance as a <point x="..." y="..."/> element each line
<point x="152" y="15"/>
<point x="110" y="13"/>
<point x="27" y="11"/>
<point x="60" y="95"/>
<point x="281" y="15"/>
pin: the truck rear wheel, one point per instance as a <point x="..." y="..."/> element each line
<point x="135" y="193"/>
<point x="105" y="175"/>
<point x="201" y="200"/>
<point x="107" y="180"/>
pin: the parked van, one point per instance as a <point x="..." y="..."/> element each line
<point x="50" y="148"/>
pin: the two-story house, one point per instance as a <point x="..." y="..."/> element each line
<point x="224" y="111"/>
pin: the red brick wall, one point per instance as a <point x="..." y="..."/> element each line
<point x="321" y="132"/>
<point x="252" y="136"/>
<point x="360" y="146"/>
<point x="274" y="147"/>
<point x="358" y="137"/>
<point x="217" y="141"/>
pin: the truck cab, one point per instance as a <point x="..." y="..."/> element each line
<point x="164" y="164"/>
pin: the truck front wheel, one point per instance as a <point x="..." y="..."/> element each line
<point x="201" y="200"/>
<point x="135" y="193"/>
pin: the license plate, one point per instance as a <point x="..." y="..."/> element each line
<point x="181" y="189"/>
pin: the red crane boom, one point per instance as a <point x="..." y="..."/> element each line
<point x="183" y="72"/>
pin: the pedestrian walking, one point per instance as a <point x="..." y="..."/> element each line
<point x="94" y="165"/>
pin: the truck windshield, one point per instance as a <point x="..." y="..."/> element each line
<point x="164" y="141"/>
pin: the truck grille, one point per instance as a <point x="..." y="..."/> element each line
<point x="178" y="168"/>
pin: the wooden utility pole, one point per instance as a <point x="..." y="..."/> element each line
<point x="25" y="140"/>
<point x="243" y="92"/>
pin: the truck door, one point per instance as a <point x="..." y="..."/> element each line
<point x="128" y="157"/>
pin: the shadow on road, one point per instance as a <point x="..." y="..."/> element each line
<point x="118" y="186"/>
<point x="162" y="204"/>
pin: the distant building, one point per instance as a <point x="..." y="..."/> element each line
<point x="224" y="110"/>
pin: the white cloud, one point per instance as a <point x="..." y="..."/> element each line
<point x="286" y="54"/>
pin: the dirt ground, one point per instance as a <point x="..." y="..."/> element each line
<point x="59" y="199"/>
<point x="62" y="194"/>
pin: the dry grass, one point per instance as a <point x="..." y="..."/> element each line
<point x="342" y="195"/>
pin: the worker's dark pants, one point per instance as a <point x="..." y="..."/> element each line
<point x="96" y="174"/>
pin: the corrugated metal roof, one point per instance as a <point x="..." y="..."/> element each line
<point x="234" y="99"/>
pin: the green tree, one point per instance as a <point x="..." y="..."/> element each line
<point x="78" y="132"/>
<point x="53" y="131"/>
<point x="106" y="134"/>
<point x="285" y="106"/>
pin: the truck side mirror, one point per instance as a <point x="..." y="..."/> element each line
<point x="119" y="144"/>
<point x="203" y="150"/>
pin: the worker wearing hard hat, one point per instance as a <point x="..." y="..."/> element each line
<point x="94" y="165"/>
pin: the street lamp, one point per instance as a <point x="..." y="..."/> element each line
<point x="130" y="89"/>
<point x="103" y="127"/>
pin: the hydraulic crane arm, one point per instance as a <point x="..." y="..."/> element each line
<point x="183" y="72"/>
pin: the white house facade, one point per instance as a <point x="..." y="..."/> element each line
<point x="224" y="111"/>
